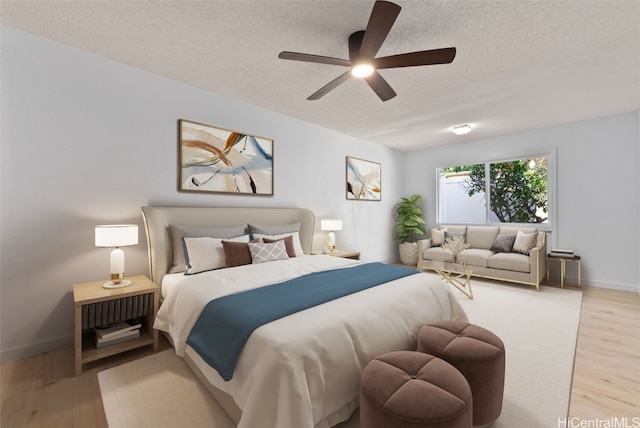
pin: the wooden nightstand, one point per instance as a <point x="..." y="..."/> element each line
<point x="95" y="306"/>
<point x="345" y="254"/>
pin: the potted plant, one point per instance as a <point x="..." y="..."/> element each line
<point x="408" y="226"/>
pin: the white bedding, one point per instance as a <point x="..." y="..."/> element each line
<point x="303" y="370"/>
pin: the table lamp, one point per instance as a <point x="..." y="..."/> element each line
<point x="116" y="235"/>
<point x="331" y="225"/>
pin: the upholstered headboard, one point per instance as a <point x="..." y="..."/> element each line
<point x="158" y="219"/>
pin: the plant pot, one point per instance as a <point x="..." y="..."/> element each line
<point x="409" y="253"/>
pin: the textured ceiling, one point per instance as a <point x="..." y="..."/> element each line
<point x="519" y="64"/>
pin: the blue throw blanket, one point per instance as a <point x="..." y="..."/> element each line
<point x="226" y="323"/>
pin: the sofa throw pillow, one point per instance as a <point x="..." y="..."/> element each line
<point x="262" y="253"/>
<point x="451" y="235"/>
<point x="503" y="243"/>
<point x="524" y="242"/>
<point x="437" y="237"/>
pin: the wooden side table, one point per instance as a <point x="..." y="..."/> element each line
<point x="92" y="298"/>
<point x="563" y="266"/>
<point x="345" y="254"/>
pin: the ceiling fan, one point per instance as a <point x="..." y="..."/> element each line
<point x="363" y="47"/>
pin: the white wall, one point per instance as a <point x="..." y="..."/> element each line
<point x="87" y="141"/>
<point x="598" y="192"/>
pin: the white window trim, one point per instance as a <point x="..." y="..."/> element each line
<point x="552" y="206"/>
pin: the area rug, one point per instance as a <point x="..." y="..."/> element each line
<point x="539" y="330"/>
<point x="158" y="391"/>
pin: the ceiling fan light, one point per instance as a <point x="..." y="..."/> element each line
<point x="461" y="129"/>
<point x="362" y="70"/>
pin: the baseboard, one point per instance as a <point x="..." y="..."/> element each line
<point x="630" y="288"/>
<point x="35" y="349"/>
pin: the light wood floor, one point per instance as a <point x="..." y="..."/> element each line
<point x="41" y="391"/>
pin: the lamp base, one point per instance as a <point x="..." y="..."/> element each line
<point x="112" y="284"/>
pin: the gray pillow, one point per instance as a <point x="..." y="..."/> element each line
<point x="451" y="235"/>
<point x="274" y="229"/>
<point x="187" y="231"/>
<point x="503" y="243"/>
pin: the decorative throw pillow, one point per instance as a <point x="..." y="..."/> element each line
<point x="451" y="235"/>
<point x="261" y="253"/>
<point x="202" y="254"/>
<point x="503" y="243"/>
<point x="524" y="242"/>
<point x="236" y="253"/>
<point x="437" y="237"/>
<point x="179" y="231"/>
<point x="295" y="236"/>
<point x="288" y="243"/>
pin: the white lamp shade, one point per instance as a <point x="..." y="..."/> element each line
<point x="331" y="224"/>
<point x="116" y="235"/>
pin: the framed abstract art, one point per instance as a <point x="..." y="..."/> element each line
<point x="221" y="161"/>
<point x="364" y="182"/>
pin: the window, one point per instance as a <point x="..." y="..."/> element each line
<point x="515" y="191"/>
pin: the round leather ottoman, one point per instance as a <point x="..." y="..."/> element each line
<point x="478" y="354"/>
<point x="407" y="389"/>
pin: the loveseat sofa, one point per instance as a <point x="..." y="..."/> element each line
<point x="515" y="254"/>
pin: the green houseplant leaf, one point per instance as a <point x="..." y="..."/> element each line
<point x="409" y="219"/>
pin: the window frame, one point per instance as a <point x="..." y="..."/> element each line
<point x="549" y="153"/>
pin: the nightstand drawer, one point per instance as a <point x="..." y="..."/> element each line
<point x="116" y="310"/>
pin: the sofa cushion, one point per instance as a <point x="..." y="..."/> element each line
<point x="481" y="236"/>
<point x="475" y="256"/>
<point x="438" y="254"/>
<point x="437" y="237"/>
<point x="458" y="229"/>
<point x="510" y="261"/>
<point x="524" y="242"/>
<point x="503" y="243"/>
<point x="453" y="235"/>
<point x="510" y="230"/>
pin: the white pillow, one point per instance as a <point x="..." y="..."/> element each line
<point x="261" y="253"/>
<point x="437" y="237"/>
<point x="204" y="253"/>
<point x="181" y="231"/>
<point x="524" y="242"/>
<point x="297" y="246"/>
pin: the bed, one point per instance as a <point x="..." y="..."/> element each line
<point x="301" y="370"/>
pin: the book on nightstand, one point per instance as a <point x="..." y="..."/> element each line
<point x="127" y="335"/>
<point x="558" y="252"/>
<point x="114" y="330"/>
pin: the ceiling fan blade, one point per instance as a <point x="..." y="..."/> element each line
<point x="380" y="86"/>
<point x="382" y="17"/>
<point x="330" y="86"/>
<point x="296" y="56"/>
<point x="414" y="59"/>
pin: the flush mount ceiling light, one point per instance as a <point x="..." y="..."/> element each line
<point x="461" y="129"/>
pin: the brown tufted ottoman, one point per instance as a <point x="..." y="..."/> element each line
<point x="406" y="389"/>
<point x="478" y="354"/>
